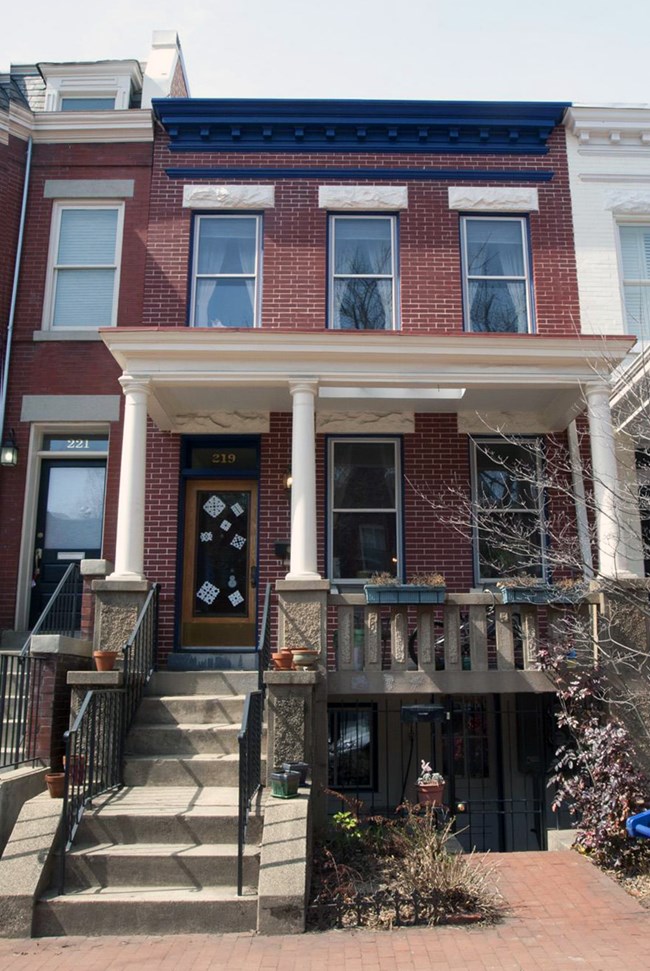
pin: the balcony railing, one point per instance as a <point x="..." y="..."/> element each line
<point x="469" y="632"/>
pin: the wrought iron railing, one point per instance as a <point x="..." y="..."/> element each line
<point x="264" y="640"/>
<point x="62" y="612"/>
<point x="140" y="654"/>
<point x="20" y="674"/>
<point x="95" y="743"/>
<point x="20" y="677"/>
<point x="250" y="738"/>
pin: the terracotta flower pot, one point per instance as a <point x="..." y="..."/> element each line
<point x="282" y="660"/>
<point x="55" y="782"/>
<point x="430" y="793"/>
<point x="104" y="660"/>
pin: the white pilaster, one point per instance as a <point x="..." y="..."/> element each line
<point x="129" y="546"/>
<point x="303" y="564"/>
<point x="605" y="480"/>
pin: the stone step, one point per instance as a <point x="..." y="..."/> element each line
<point x="145" y="910"/>
<point x="182" y="739"/>
<point x="159" y="864"/>
<point x="202" y="682"/>
<point x="176" y="709"/>
<point x="186" y="770"/>
<point x="168" y="814"/>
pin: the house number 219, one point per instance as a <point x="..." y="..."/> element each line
<point x="223" y="458"/>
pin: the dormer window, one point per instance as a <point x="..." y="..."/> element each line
<point x="100" y="86"/>
<point x="87" y="104"/>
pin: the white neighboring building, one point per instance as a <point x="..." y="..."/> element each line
<point x="608" y="149"/>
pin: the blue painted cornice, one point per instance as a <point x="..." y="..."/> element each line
<point x="496" y="127"/>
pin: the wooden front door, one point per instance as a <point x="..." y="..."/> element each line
<point x="219" y="564"/>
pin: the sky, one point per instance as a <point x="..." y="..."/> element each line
<point x="540" y="50"/>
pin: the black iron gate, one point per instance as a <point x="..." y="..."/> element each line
<point x="495" y="752"/>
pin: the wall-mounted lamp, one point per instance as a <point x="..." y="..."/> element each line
<point x="9" y="450"/>
<point x="281" y="548"/>
<point x="287" y="481"/>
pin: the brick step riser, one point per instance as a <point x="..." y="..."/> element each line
<point x="197" y="710"/>
<point x="168" y="683"/>
<point x="178" y="741"/>
<point x="75" y="917"/>
<point x="107" y="870"/>
<point x="196" y="830"/>
<point x="177" y="772"/>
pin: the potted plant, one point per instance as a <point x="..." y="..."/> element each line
<point x="55" y="782"/>
<point x="526" y="589"/>
<point x="305" y="659"/>
<point x="282" y="660"/>
<point x="422" y="588"/>
<point x="284" y="783"/>
<point x="430" y="786"/>
<point x="104" y="660"/>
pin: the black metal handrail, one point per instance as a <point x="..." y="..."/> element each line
<point x="20" y="678"/>
<point x="95" y="743"/>
<point x="63" y="610"/>
<point x="250" y="770"/>
<point x="264" y="641"/>
<point x="250" y="737"/>
<point x="140" y="654"/>
<point x="93" y="757"/>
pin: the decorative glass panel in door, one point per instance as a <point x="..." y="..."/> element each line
<point x="219" y="568"/>
<point x="69" y="523"/>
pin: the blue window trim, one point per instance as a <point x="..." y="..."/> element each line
<point x="398" y="440"/>
<point x="523" y="219"/>
<point x="394" y="218"/>
<point x="259" y="280"/>
<point x="475" y="441"/>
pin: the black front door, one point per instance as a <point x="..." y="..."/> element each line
<point x="68" y="524"/>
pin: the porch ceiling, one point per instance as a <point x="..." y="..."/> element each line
<point x="518" y="383"/>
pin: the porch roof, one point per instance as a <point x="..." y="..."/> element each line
<point x="525" y="383"/>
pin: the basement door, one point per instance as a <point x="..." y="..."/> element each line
<point x="219" y="564"/>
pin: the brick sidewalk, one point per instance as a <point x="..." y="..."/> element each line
<point x="564" y="914"/>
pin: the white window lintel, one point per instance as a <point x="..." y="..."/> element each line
<point x="228" y="197"/>
<point x="363" y="198"/>
<point x="493" y="199"/>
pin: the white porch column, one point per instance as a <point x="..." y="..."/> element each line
<point x="129" y="546"/>
<point x="303" y="565"/>
<point x="605" y="479"/>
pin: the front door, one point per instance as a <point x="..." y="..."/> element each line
<point x="219" y="564"/>
<point x="69" y="523"/>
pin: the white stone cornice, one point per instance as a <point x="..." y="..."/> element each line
<point x="610" y="130"/>
<point x="129" y="125"/>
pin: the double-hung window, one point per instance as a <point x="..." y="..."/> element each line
<point x="635" y="260"/>
<point x="84" y="266"/>
<point x="363" y="275"/>
<point x="226" y="271"/>
<point x="508" y="508"/>
<point x="365" y="501"/>
<point x="496" y="274"/>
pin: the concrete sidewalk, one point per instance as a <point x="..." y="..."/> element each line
<point x="564" y="914"/>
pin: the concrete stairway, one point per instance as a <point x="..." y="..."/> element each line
<point x="162" y="852"/>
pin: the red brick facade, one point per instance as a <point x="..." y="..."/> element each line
<point x="154" y="288"/>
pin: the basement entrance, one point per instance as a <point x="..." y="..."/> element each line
<point x="494" y="751"/>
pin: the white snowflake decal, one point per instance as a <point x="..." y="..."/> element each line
<point x="237" y="509"/>
<point x="206" y="537"/>
<point x="236" y="598"/>
<point x="214" y="506"/>
<point x="208" y="593"/>
<point x="225" y="525"/>
<point x="238" y="541"/>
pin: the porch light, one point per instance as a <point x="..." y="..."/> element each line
<point x="9" y="450"/>
<point x="287" y="480"/>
